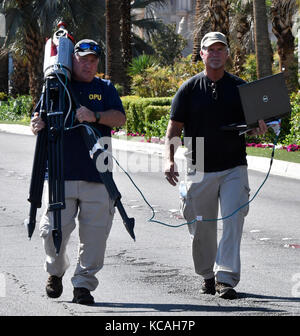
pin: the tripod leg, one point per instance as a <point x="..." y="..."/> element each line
<point x="55" y="157"/>
<point x="37" y="180"/>
<point x="38" y="171"/>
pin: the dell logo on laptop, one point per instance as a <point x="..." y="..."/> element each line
<point x="265" y="99"/>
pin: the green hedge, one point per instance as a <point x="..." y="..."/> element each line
<point x="293" y="134"/>
<point x="150" y="116"/>
<point x="16" y="109"/>
<point x="141" y="112"/>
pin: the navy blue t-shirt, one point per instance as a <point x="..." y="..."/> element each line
<point x="99" y="96"/>
<point x="204" y="112"/>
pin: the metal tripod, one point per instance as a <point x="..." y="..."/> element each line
<point x="49" y="148"/>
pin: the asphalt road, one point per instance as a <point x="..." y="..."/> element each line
<point x="153" y="276"/>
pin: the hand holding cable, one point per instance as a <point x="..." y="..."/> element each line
<point x="260" y="130"/>
<point x="84" y="114"/>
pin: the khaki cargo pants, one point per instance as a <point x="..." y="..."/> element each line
<point x="90" y="204"/>
<point x="205" y="191"/>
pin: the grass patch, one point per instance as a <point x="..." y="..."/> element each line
<point x="280" y="154"/>
<point x="24" y="122"/>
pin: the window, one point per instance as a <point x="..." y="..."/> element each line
<point x="183" y="5"/>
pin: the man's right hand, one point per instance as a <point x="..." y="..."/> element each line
<point x="171" y="173"/>
<point x="36" y="123"/>
<point x="173" y="141"/>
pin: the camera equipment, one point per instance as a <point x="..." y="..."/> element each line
<point x="53" y="107"/>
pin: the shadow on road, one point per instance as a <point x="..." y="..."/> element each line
<point x="136" y="308"/>
<point x="247" y="303"/>
<point x="267" y="298"/>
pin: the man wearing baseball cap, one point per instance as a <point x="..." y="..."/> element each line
<point x="86" y="197"/>
<point x="201" y="106"/>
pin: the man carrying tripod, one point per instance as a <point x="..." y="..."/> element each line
<point x="85" y="195"/>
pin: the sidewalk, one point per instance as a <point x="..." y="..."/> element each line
<point x="281" y="168"/>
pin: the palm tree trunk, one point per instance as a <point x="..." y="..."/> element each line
<point x="126" y="42"/>
<point x="4" y="73"/>
<point x="242" y="28"/>
<point x="282" y="12"/>
<point x="262" y="40"/>
<point x="19" y="78"/>
<point x="197" y="41"/>
<point x="114" y="63"/>
<point x="34" y="47"/>
<point x="219" y="16"/>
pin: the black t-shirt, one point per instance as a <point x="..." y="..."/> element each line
<point x="203" y="112"/>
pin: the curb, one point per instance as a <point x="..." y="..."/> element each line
<point x="261" y="164"/>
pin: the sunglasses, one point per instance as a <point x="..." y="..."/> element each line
<point x="89" y="46"/>
<point x="214" y="90"/>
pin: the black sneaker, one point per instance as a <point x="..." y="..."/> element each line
<point x="208" y="287"/>
<point x="225" y="291"/>
<point x="54" y="287"/>
<point x="82" y="296"/>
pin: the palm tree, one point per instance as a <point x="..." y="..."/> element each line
<point x="241" y="23"/>
<point x="30" y="21"/>
<point x="219" y="15"/>
<point x="202" y="25"/>
<point x="114" y="64"/>
<point x="120" y="39"/>
<point x="262" y="40"/>
<point x="282" y="21"/>
<point x="197" y="40"/>
<point x="126" y="42"/>
<point x="19" y="81"/>
<point x="4" y="72"/>
<point x="22" y="11"/>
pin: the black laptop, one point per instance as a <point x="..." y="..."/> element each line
<point x="264" y="99"/>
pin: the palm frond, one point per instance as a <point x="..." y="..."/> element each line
<point x="149" y="24"/>
<point x="140" y="46"/>
<point x="145" y="3"/>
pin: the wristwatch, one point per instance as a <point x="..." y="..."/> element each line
<point x="98" y="117"/>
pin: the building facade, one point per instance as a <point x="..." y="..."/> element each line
<point x="180" y="12"/>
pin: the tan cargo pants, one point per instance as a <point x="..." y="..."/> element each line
<point x="90" y="204"/>
<point x="230" y="188"/>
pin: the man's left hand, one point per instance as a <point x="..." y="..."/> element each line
<point x="260" y="130"/>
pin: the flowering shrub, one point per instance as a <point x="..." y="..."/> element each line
<point x="259" y="145"/>
<point x="289" y="148"/>
<point x="160" y="140"/>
